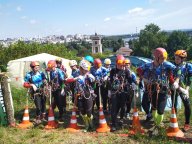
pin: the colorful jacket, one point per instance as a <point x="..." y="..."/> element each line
<point x="36" y="79"/>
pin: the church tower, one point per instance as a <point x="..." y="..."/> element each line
<point x="96" y="44"/>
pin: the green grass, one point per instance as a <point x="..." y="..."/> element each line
<point x="38" y="135"/>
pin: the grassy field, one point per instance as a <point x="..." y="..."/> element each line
<point x="38" y="135"/>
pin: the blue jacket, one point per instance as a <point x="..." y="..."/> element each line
<point x="99" y="73"/>
<point x="57" y="76"/>
<point x="36" y="79"/>
<point x="156" y="74"/>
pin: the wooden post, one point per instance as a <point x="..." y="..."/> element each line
<point x="7" y="98"/>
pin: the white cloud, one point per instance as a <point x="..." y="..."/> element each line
<point x="140" y="12"/>
<point x="19" y="8"/>
<point x="135" y="10"/>
<point x="107" y="19"/>
<point x="33" y="21"/>
<point x="86" y="25"/>
<point x="23" y="17"/>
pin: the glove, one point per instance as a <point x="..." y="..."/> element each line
<point x="91" y="77"/>
<point x="105" y="78"/>
<point x="34" y="87"/>
<point x="109" y="93"/>
<point x="175" y="85"/>
<point x="184" y="91"/>
<point x="62" y="92"/>
<point x="134" y="86"/>
<point x="137" y="94"/>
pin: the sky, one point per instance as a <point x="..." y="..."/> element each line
<point x="33" y="18"/>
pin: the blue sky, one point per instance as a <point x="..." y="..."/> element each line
<point x="32" y="18"/>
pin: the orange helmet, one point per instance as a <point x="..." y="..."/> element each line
<point x="33" y="64"/>
<point x="160" y="53"/>
<point x="51" y="64"/>
<point x="120" y="59"/>
<point x="181" y="53"/>
<point x="127" y="61"/>
<point x="97" y="63"/>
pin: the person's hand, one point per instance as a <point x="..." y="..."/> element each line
<point x="34" y="87"/>
<point x="109" y="93"/>
<point x="184" y="91"/>
<point x="134" y="86"/>
<point x="175" y="85"/>
<point x="62" y="92"/>
<point x="137" y="94"/>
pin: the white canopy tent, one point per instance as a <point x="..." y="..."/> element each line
<point x="18" y="68"/>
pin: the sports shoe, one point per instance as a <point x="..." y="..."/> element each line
<point x="186" y="127"/>
<point x="148" y="119"/>
<point x="128" y="116"/>
<point x="113" y="128"/>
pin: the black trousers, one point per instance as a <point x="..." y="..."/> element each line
<point x="118" y="101"/>
<point x="85" y="105"/>
<point x="59" y="100"/>
<point x="40" y="104"/>
<point x="186" y="103"/>
<point x="146" y="101"/>
<point x="104" y="96"/>
<point x="159" y="102"/>
<point x="129" y="98"/>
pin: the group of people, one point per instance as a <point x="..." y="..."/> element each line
<point x="113" y="89"/>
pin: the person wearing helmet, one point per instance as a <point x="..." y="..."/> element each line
<point x="130" y="86"/>
<point x="100" y="73"/>
<point x="184" y="72"/>
<point x="75" y="73"/>
<point x="61" y="66"/>
<point x="156" y="76"/>
<point x="57" y="77"/>
<point x="84" y="92"/>
<point x="35" y="80"/>
<point x="89" y="59"/>
<point x="105" y="87"/>
<point x="116" y="91"/>
<point x="107" y="64"/>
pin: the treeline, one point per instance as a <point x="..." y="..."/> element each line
<point x="21" y="49"/>
<point x="152" y="37"/>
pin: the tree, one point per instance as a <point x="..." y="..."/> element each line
<point x="177" y="40"/>
<point x="149" y="38"/>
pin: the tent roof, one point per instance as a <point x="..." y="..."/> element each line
<point x="38" y="57"/>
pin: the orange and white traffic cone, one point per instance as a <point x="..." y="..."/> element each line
<point x="103" y="127"/>
<point x="173" y="130"/>
<point x="73" y="127"/>
<point x="136" y="126"/>
<point x="25" y="123"/>
<point x="52" y="124"/>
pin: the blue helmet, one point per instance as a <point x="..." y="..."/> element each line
<point x="89" y="58"/>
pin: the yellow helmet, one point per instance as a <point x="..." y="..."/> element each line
<point x="181" y="53"/>
<point x="107" y="61"/>
<point x="58" y="60"/>
<point x="127" y="61"/>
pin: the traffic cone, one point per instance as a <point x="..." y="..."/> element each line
<point x="52" y="124"/>
<point x="173" y="130"/>
<point x="136" y="126"/>
<point x="25" y="123"/>
<point x="73" y="127"/>
<point x="103" y="127"/>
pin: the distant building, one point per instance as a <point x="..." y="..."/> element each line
<point x="96" y="44"/>
<point x="125" y="50"/>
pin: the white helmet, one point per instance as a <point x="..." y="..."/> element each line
<point x="72" y="62"/>
<point x="107" y="61"/>
<point x="85" y="64"/>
